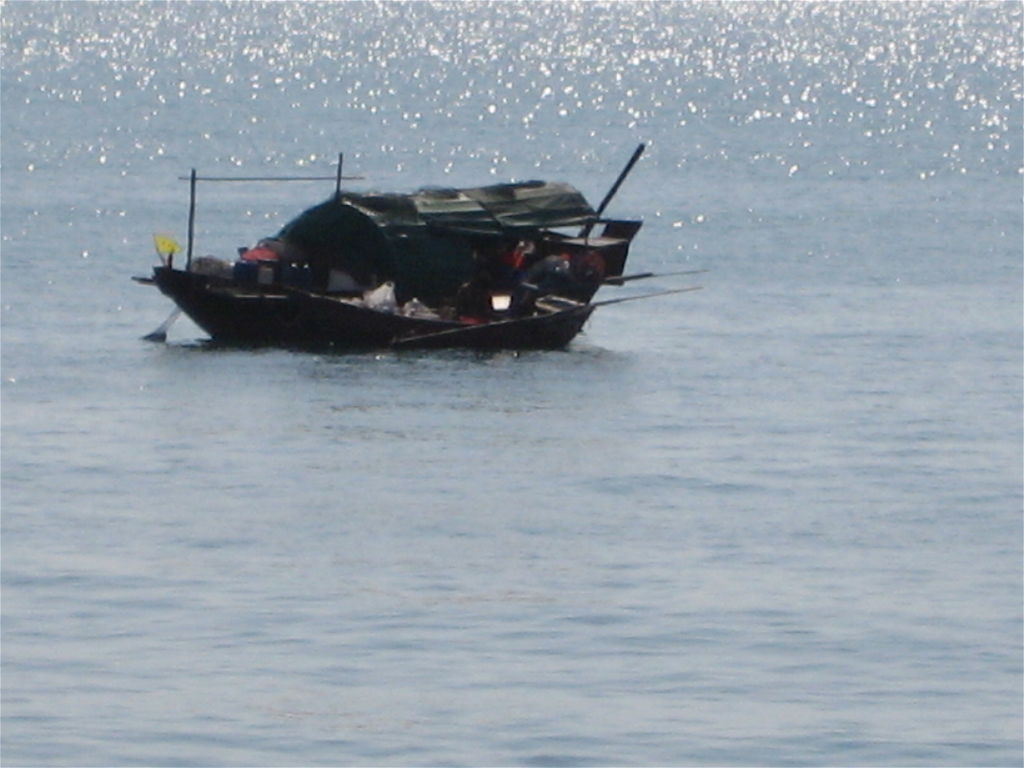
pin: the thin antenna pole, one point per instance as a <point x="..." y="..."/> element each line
<point x="337" y="185"/>
<point x="191" y="218"/>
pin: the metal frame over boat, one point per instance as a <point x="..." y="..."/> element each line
<point x="487" y="267"/>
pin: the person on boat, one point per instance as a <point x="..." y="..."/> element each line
<point x="561" y="275"/>
<point x="514" y="259"/>
<point x="552" y="274"/>
<point x="499" y="269"/>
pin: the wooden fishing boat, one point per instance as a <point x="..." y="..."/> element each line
<point x="295" y="317"/>
<point x="485" y="267"/>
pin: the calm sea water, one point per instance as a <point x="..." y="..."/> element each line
<point x="774" y="522"/>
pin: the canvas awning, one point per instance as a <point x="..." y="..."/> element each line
<point x="497" y="208"/>
<point x="424" y="240"/>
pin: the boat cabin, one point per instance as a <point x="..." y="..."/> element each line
<point x="446" y="247"/>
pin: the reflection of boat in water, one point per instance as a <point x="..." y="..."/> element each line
<point x="484" y="267"/>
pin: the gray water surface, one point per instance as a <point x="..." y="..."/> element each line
<point x="773" y="522"/>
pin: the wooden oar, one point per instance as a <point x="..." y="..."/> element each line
<point x="160" y="334"/>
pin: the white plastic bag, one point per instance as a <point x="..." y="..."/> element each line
<point x="416" y="308"/>
<point x="382" y="298"/>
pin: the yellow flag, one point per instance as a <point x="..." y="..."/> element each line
<point x="166" y="245"/>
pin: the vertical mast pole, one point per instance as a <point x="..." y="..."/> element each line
<point x="191" y="218"/>
<point x="337" y="185"/>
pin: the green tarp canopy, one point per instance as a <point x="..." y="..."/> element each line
<point x="425" y="241"/>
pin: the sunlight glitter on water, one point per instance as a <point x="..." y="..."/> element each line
<point x="870" y="82"/>
<point x="778" y="522"/>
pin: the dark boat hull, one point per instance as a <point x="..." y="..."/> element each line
<point x="282" y="316"/>
<point x="547" y="331"/>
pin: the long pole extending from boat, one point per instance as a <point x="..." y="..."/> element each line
<point x="337" y="183"/>
<point x="624" y="299"/>
<point x="191" y="218"/>
<point x="621" y="279"/>
<point x="615" y="188"/>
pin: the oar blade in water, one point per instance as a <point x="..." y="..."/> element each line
<point x="160" y="334"/>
